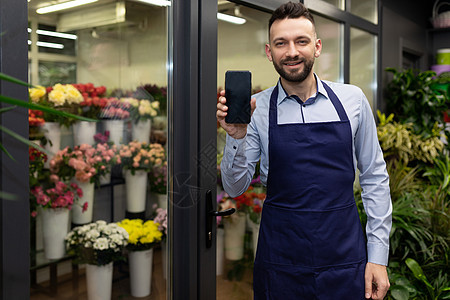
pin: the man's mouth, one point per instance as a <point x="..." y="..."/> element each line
<point x="292" y="63"/>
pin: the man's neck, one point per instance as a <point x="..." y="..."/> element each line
<point x="304" y="90"/>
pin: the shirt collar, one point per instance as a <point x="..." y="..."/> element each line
<point x="282" y="94"/>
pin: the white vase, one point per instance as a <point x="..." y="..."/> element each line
<point x="83" y="133"/>
<point x="140" y="131"/>
<point x="162" y="200"/>
<point x="140" y="263"/>
<point x="52" y="132"/>
<point x="136" y="190"/>
<point x="99" y="281"/>
<point x="115" y="128"/>
<point x="234" y="236"/>
<point x="78" y="216"/>
<point x="55" y="226"/>
<point x="219" y="251"/>
<point x="106" y="179"/>
<point x="255" y="233"/>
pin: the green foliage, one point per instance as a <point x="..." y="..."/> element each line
<point x="412" y="99"/>
<point x="400" y="143"/>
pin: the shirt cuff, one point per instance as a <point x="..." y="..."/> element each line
<point x="378" y="254"/>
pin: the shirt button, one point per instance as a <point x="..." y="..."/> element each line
<point x="234" y="147"/>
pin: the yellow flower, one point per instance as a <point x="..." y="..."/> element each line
<point x="73" y="95"/>
<point x="57" y="97"/>
<point x="37" y="93"/>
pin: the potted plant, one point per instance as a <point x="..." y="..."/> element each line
<point x="141" y="113"/>
<point x="54" y="200"/>
<point x="59" y="97"/>
<point x="113" y="114"/>
<point x="137" y="160"/>
<point x="84" y="164"/>
<point x="142" y="237"/>
<point x="91" y="106"/>
<point x="158" y="174"/>
<point x="98" y="245"/>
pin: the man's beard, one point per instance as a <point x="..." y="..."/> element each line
<point x="294" y="77"/>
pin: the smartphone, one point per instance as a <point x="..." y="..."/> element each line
<point x="238" y="86"/>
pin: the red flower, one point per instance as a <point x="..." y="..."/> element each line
<point x="85" y="207"/>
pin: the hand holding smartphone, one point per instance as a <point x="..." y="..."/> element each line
<point x="238" y="88"/>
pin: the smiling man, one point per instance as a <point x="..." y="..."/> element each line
<point x="310" y="136"/>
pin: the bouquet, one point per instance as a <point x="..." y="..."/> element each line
<point x="93" y="100"/>
<point x="159" y="94"/>
<point x="97" y="243"/>
<point x="161" y="220"/>
<point x="115" y="110"/>
<point x="249" y="202"/>
<point x="36" y="161"/>
<point x="141" y="110"/>
<point x="56" y="195"/>
<point x="61" y="97"/>
<point x="85" y="163"/>
<point x="141" y="235"/>
<point x="158" y="172"/>
<point x="136" y="156"/>
<point x="35" y="120"/>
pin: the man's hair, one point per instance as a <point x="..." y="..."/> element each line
<point x="291" y="10"/>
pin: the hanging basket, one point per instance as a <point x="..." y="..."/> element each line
<point x="441" y="19"/>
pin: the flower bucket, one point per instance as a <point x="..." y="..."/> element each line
<point x="83" y="133"/>
<point x="115" y="128"/>
<point x="234" y="236"/>
<point x="99" y="281"/>
<point x="140" y="131"/>
<point x="78" y="216"/>
<point x="219" y="252"/>
<point x="106" y="179"/>
<point x="255" y="232"/>
<point x="52" y="132"/>
<point x="162" y="200"/>
<point x="55" y="226"/>
<point x="136" y="190"/>
<point x="140" y="263"/>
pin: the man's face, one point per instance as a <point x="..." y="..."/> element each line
<point x="292" y="48"/>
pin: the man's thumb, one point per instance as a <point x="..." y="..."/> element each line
<point x="368" y="287"/>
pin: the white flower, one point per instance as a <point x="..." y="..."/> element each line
<point x="87" y="245"/>
<point x="100" y="222"/>
<point x="101" y="244"/>
<point x="92" y="234"/>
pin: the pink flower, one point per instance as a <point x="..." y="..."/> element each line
<point x="85" y="207"/>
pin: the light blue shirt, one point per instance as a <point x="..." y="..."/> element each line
<point x="241" y="156"/>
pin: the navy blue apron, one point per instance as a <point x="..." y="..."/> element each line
<point x="311" y="244"/>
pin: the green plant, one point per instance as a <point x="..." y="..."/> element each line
<point x="400" y="143"/>
<point x="437" y="289"/>
<point x="411" y="98"/>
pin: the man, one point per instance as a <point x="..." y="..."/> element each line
<point x="310" y="135"/>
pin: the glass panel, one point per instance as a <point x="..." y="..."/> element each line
<point x="329" y="64"/>
<point x="240" y="47"/>
<point x="51" y="41"/>
<point x="117" y="71"/>
<point x="366" y="9"/>
<point x="363" y="61"/>
<point x="53" y="72"/>
<point x="338" y="3"/>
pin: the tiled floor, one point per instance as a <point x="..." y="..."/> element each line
<point x="235" y="290"/>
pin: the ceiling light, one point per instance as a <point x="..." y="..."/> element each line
<point x="48" y="45"/>
<point x="61" y="6"/>
<point x="55" y="34"/>
<point x="157" y="2"/>
<point x="231" y="19"/>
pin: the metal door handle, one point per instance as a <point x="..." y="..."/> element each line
<point x="211" y="215"/>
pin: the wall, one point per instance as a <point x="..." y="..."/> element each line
<point x="124" y="57"/>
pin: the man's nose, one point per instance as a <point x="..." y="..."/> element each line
<point x="292" y="50"/>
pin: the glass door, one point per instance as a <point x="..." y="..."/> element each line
<point x="112" y="57"/>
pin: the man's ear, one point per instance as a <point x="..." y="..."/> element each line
<point x="268" y="52"/>
<point x="318" y="49"/>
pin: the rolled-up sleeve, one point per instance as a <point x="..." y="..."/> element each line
<point x="374" y="181"/>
